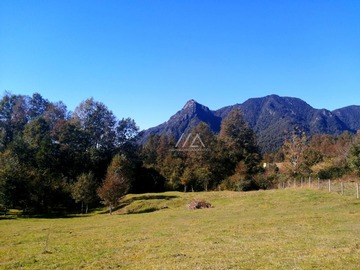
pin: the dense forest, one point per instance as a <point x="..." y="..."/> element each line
<point x="55" y="160"/>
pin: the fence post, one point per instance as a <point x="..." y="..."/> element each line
<point x="357" y="190"/>
<point x="342" y="188"/>
<point x="302" y="179"/>
<point x="318" y="183"/>
<point x="294" y="183"/>
<point x="309" y="181"/>
<point x="329" y="185"/>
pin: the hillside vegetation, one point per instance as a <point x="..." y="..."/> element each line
<point x="276" y="229"/>
<point x="53" y="160"/>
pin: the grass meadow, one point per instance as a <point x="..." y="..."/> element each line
<point x="276" y="229"/>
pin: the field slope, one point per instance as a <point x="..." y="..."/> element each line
<point x="278" y="229"/>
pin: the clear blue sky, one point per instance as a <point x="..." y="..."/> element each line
<point x="145" y="59"/>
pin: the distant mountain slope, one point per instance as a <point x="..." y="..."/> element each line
<point x="272" y="118"/>
<point x="184" y="120"/>
<point x="349" y="115"/>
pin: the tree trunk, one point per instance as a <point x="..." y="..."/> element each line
<point x="206" y="186"/>
<point x="110" y="210"/>
<point x="82" y="207"/>
<point x="86" y="208"/>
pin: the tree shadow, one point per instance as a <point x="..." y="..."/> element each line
<point x="43" y="216"/>
<point x="155" y="197"/>
<point x="127" y="202"/>
<point x="7" y="217"/>
<point x="143" y="211"/>
<point x="54" y="215"/>
<point x="51" y="214"/>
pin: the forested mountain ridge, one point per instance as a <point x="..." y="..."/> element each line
<point x="271" y="117"/>
<point x="349" y="115"/>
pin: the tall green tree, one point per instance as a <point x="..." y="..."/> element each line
<point x="10" y="181"/>
<point x="16" y="172"/>
<point x="354" y="158"/>
<point x="188" y="179"/>
<point x="149" y="153"/>
<point x="99" y="125"/>
<point x="201" y="159"/>
<point x="37" y="106"/>
<point x="84" y="190"/>
<point x="13" y="117"/>
<point x="239" y="143"/>
<point x="172" y="168"/>
<point x="44" y="166"/>
<point x="127" y="135"/>
<point x="126" y="131"/>
<point x="99" y="122"/>
<point x="73" y="147"/>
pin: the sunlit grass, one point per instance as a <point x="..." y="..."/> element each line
<point x="278" y="229"/>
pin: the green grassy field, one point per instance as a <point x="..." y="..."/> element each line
<point x="277" y="229"/>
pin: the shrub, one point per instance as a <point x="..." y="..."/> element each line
<point x="331" y="172"/>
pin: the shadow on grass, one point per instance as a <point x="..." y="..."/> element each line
<point x="143" y="211"/>
<point x="7" y="217"/>
<point x="42" y="216"/>
<point x="59" y="216"/>
<point x="63" y="214"/>
<point x="155" y="197"/>
<point x="54" y="215"/>
<point x="49" y="215"/>
<point x="127" y="202"/>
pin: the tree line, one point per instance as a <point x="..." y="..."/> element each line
<point x="55" y="160"/>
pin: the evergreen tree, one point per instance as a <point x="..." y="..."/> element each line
<point x="201" y="159"/>
<point x="149" y="150"/>
<point x="354" y="158"/>
<point x="238" y="144"/>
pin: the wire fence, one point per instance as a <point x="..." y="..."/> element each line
<point x="346" y="188"/>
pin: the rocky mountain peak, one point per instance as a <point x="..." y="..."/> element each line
<point x="190" y="104"/>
